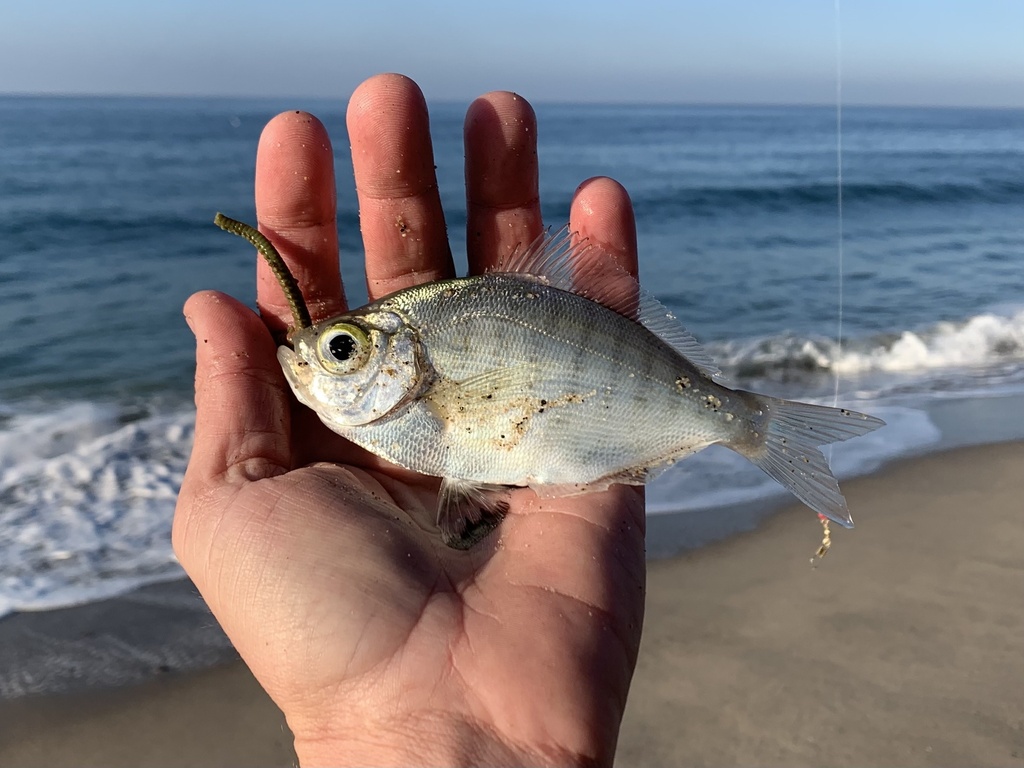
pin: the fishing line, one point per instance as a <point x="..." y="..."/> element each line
<point x="839" y="199"/>
<point x="826" y="538"/>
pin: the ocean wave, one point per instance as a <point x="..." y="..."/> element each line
<point x="981" y="340"/>
<point x="987" y="339"/>
<point x="787" y="196"/>
<point x="145" y="223"/>
<point x="99" y="224"/>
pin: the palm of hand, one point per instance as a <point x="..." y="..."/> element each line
<point x="335" y="588"/>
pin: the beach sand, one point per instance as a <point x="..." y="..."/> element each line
<point x="905" y="646"/>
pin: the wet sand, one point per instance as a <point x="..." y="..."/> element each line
<point x="905" y="646"/>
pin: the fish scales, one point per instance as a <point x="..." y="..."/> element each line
<point x="608" y="384"/>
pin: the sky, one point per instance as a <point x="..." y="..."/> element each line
<point x="910" y="52"/>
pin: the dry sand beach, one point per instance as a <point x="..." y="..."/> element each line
<point x="905" y="646"/>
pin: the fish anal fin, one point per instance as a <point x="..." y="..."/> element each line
<point x="632" y="476"/>
<point x="468" y="511"/>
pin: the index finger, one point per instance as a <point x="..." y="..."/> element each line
<point x="296" y="205"/>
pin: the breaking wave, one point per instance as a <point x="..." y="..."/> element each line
<point x="962" y="349"/>
<point x="87" y="495"/>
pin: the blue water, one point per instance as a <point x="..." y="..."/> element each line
<point x="105" y="220"/>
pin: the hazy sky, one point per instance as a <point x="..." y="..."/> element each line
<point x="955" y="52"/>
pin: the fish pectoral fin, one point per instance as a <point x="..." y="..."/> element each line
<point x="499" y="383"/>
<point x="467" y="511"/>
<point x="487" y="399"/>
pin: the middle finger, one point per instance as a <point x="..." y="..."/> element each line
<point x="399" y="206"/>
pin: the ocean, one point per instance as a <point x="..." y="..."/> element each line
<point x="106" y="209"/>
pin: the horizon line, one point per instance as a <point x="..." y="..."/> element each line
<point x="550" y="102"/>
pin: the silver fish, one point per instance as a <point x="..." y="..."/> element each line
<point x="532" y="376"/>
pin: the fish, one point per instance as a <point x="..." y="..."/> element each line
<point x="549" y="372"/>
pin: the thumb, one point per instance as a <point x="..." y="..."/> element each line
<point x="242" y="414"/>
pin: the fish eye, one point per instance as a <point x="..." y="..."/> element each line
<point x="343" y="347"/>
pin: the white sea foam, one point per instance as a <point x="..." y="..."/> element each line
<point x="982" y="352"/>
<point x="981" y="340"/>
<point x="87" y="492"/>
<point x="86" y="502"/>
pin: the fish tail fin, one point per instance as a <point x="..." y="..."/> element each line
<point x="788" y="450"/>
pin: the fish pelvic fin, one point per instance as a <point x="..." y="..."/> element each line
<point x="468" y="511"/>
<point x="788" y="450"/>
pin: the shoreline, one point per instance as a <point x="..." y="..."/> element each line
<point x="152" y="631"/>
<point x="901" y="647"/>
<point x="702" y="500"/>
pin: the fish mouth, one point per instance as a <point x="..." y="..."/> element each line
<point x="297" y="371"/>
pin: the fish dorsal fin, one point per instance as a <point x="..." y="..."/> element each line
<point x="656" y="318"/>
<point x="551" y="257"/>
<point x="562" y="260"/>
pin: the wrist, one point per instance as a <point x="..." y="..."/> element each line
<point x="435" y="739"/>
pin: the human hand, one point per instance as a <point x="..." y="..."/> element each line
<point x="321" y="561"/>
